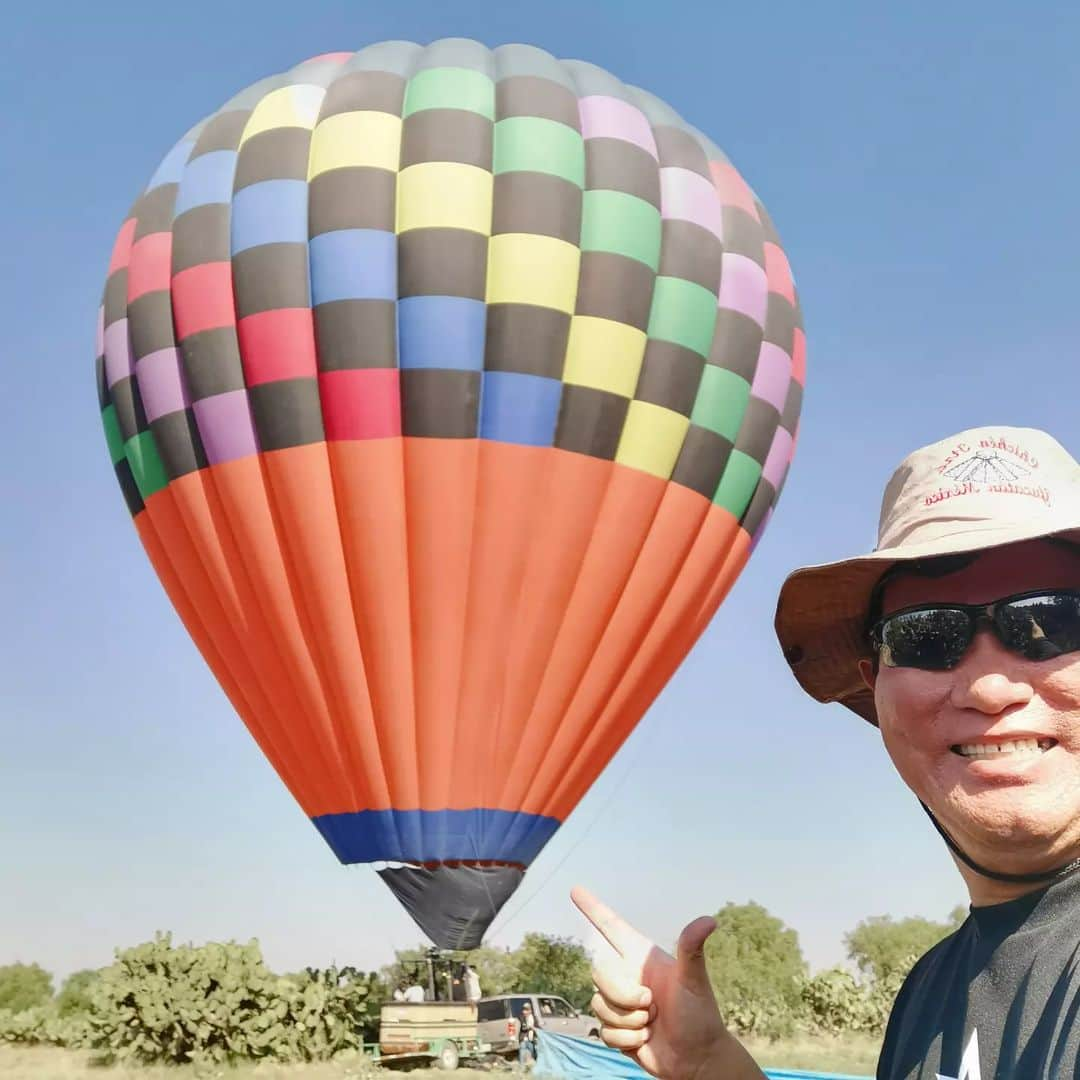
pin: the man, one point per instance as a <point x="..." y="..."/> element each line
<point x="959" y="638"/>
<point x="526" y="1036"/>
<point x="456" y="976"/>
<point x="472" y="984"/>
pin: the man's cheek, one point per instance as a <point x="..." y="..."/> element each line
<point x="1060" y="690"/>
<point x="916" y="701"/>
<point x="914" y="756"/>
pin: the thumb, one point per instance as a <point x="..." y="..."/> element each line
<point x="690" y="954"/>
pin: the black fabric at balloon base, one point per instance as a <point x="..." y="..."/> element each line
<point x="453" y="905"/>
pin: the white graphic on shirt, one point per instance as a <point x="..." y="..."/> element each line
<point x="969" y="1063"/>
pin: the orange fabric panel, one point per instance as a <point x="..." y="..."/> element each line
<point x="574" y="489"/>
<point x="190" y="583"/>
<point x="369" y="488"/>
<point x="178" y="597"/>
<point x="620" y="524"/>
<point x="711" y="567"/>
<point x="440" y="495"/>
<point x="269" y="616"/>
<point x="306" y="523"/>
<point x="510" y="504"/>
<point x="735" y="560"/>
<point x="422" y="623"/>
<point x="657" y="566"/>
<point x="197" y="501"/>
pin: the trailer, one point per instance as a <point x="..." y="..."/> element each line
<point x="439" y="1033"/>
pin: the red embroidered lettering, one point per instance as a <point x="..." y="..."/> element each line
<point x="957" y="451"/>
<point x="966" y="488"/>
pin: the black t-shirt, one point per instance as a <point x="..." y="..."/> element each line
<point x="998" y="999"/>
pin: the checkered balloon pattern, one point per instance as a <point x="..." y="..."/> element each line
<point x="449" y="389"/>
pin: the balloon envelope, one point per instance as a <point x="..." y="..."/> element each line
<point x="449" y="389"/>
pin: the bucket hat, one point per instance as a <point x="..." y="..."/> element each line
<point x="982" y="488"/>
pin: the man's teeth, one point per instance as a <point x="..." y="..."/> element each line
<point x="993" y="750"/>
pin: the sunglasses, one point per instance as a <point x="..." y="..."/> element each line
<point x="934" y="637"/>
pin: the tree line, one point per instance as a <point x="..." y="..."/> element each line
<point x="763" y="985"/>
<point x="160" y="1002"/>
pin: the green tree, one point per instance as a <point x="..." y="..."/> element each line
<point x="881" y="994"/>
<point x="546" y="964"/>
<point x="542" y="964"/>
<point x="409" y="965"/>
<point x="836" y="1002"/>
<point x="956" y="917"/>
<point x="22" y="986"/>
<point x="496" y="968"/>
<point x="74" y="997"/>
<point x="882" y="947"/>
<point x="757" y="970"/>
<point x="379" y="993"/>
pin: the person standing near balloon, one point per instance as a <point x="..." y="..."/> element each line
<point x="526" y="1036"/>
<point x="472" y="984"/>
<point x="959" y="638"/>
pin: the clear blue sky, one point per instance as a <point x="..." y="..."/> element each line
<point x="920" y="161"/>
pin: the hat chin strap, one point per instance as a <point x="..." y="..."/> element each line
<point x="1043" y="875"/>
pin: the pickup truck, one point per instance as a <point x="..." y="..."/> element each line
<point x="498" y="1019"/>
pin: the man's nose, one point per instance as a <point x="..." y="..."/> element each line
<point x="989" y="678"/>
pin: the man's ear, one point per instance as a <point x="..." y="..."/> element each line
<point x="868" y="673"/>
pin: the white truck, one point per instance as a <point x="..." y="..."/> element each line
<point x="499" y="1019"/>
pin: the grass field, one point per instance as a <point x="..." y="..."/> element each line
<point x="853" y="1054"/>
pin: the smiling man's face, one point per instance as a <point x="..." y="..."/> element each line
<point x="1015" y="812"/>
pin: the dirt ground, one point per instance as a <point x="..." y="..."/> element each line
<point x="51" y="1063"/>
<point x="853" y="1055"/>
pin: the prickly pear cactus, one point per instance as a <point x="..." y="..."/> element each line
<point x="219" y="1003"/>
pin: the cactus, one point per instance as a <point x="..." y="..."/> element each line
<point x="208" y="1005"/>
<point x="43" y="1024"/>
<point x="220" y="1004"/>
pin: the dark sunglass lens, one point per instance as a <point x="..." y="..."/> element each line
<point x="933" y="640"/>
<point x="1042" y="627"/>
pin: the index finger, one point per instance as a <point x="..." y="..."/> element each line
<point x="629" y="943"/>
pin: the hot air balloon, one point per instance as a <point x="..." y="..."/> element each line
<point x="449" y="389"/>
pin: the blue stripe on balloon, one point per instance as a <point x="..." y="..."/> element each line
<point x="441" y="332"/>
<point x="518" y="408"/>
<point x="353" y="264"/>
<point x="172" y="165"/>
<point x="207" y="180"/>
<point x="269" y="212"/>
<point x="435" y="835"/>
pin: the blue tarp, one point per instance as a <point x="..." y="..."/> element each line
<point x="798" y="1074"/>
<point x="562" y="1057"/>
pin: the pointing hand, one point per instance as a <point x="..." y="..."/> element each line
<point x="660" y="1009"/>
